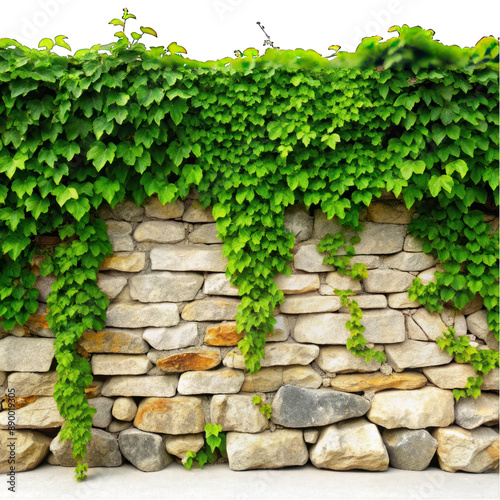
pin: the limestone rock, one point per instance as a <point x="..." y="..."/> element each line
<point x="309" y="259"/>
<point x="402" y="301"/>
<point x="473" y="306"/>
<point x="427" y="276"/>
<point x="145" y="385"/>
<point x="181" y="444"/>
<point x="30" y="447"/>
<point x="206" y="233"/>
<point x="44" y="286"/>
<point x="477" y="324"/>
<point x="370" y="261"/>
<point x="266" y="450"/>
<point x="213" y="309"/>
<point x="103" y="405"/>
<point x="297" y="283"/>
<point x="172" y="210"/>
<point x="188" y="258"/>
<point x="377" y="381"/>
<point x="124" y="409"/>
<point x="337" y="280"/>
<point x="102" y="451"/>
<point x="415" y="354"/>
<point x="32" y="384"/>
<point x="160" y="232"/>
<point x="120" y="364"/>
<point x="177" y="415"/>
<point x="224" y="334"/>
<point x="119" y="235"/>
<point x="473" y="450"/>
<point x="354" y="444"/>
<point x="194" y="358"/>
<point x="414" y="331"/>
<point x="26" y="354"/>
<point x="471" y="413"/>
<point x="165" y="286"/>
<point x="268" y="379"/>
<point x="41" y="414"/>
<point x="222" y="381"/>
<point x="175" y="337"/>
<point x="111" y="285"/>
<point x="114" y="340"/>
<point x="197" y="213"/>
<point x="298" y="222"/>
<point x="300" y="407"/>
<point x="281" y="329"/>
<point x="413" y="409"/>
<point x="412" y="244"/>
<point x="410" y="261"/>
<point x="311" y="435"/>
<point x="390" y="213"/>
<point x="430" y="323"/>
<point x="310" y="304"/>
<point x="118" y="426"/>
<point x="144" y="450"/>
<point x="129" y="262"/>
<point x="301" y="376"/>
<point x="338" y="359"/>
<point x="384" y="326"/>
<point x="218" y="284"/>
<point x="409" y="449"/>
<point x="128" y="210"/>
<point x="387" y="281"/>
<point x="237" y="413"/>
<point x="135" y="315"/>
<point x="36" y="323"/>
<point x="368" y="301"/>
<point x="455" y="375"/>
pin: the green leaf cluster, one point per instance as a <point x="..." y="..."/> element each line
<point x="214" y="448"/>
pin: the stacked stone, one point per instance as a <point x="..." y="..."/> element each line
<point x="167" y="361"/>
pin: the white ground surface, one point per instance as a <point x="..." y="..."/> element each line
<point x="219" y="482"/>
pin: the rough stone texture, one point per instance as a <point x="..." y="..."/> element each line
<point x="468" y="450"/>
<point x="188" y="258"/>
<point x="410" y="261"/>
<point x="460" y="324"/>
<point x="311" y="435"/>
<point x="302" y="376"/>
<point x="178" y="415"/>
<point x="338" y="359"/>
<point x="298" y="222"/>
<point x="300" y="407"/>
<point x="103" y="405"/>
<point x="145" y="385"/>
<point x="128" y="210"/>
<point x="336" y="280"/>
<point x="310" y="304"/>
<point x="430" y="323"/>
<point x="196" y="213"/>
<point x="414" y="331"/>
<point x="175" y="337"/>
<point x="160" y="232"/>
<point x="224" y="334"/>
<point x="214" y="309"/>
<point x="297" y="283"/>
<point x="23" y="354"/>
<point x="114" y="340"/>
<point x="471" y="413"/>
<point x="32" y="384"/>
<point x="473" y="306"/>
<point x="402" y="301"/>
<point x="384" y="326"/>
<point x="44" y="286"/>
<point x="144" y="450"/>
<point x="309" y="259"/>
<point x="222" y="381"/>
<point x="193" y="358"/>
<point x="120" y="364"/>
<point x="415" y="354"/>
<point x="218" y="284"/>
<point x="165" y="286"/>
<point x="111" y="285"/>
<point x="237" y="413"/>
<point x="30" y="448"/>
<point x="409" y="449"/>
<point x="455" y="375"/>
<point x="370" y="261"/>
<point x="387" y="281"/>
<point x="414" y="409"/>
<point x="173" y="210"/>
<point x="390" y="213"/>
<point x="102" y="451"/>
<point x="118" y="426"/>
<point x="427" y="276"/>
<point x="266" y="450"/>
<point x="134" y="315"/>
<point x="281" y="329"/>
<point x="36" y="323"/>
<point x="128" y="262"/>
<point x="477" y="324"/>
<point x="412" y="244"/>
<point x="41" y="414"/>
<point x="355" y="444"/>
<point x="207" y="233"/>
<point x="268" y="379"/>
<point x="375" y="382"/>
<point x="369" y="302"/>
<point x="124" y="409"/>
<point x="181" y="444"/>
<point x="119" y="235"/>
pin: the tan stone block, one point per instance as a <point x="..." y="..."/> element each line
<point x="129" y="262"/>
<point x="378" y="382"/>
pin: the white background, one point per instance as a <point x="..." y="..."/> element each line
<point x="212" y="29"/>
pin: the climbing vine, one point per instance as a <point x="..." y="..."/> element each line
<point x="253" y="134"/>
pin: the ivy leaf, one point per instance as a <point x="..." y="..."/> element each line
<point x="61" y="43"/>
<point x="47" y="43"/>
<point x="457" y="166"/>
<point x="101" y="154"/>
<point x="436" y="183"/>
<point x="151" y="31"/>
<point x="412" y="167"/>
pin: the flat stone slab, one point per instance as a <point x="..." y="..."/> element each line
<point x="188" y="258"/>
<point x="297" y="283"/>
<point x="213" y="309"/>
<point x="160" y="232"/>
<point x="219" y="284"/>
<point x="206" y="233"/>
<point x="237" y="413"/>
<point x="309" y="259"/>
<point x="32" y="384"/>
<point x="111" y="285"/>
<point x="196" y="212"/>
<point x="31" y="448"/>
<point x="410" y="261"/>
<point x="120" y="364"/>
<point x="300" y="407"/>
<point x="338" y="359"/>
<point x="173" y="210"/>
<point x="134" y="315"/>
<point x="455" y="375"/>
<point x="389" y="213"/>
<point x="165" y="286"/>
<point x="41" y="414"/>
<point x="416" y="354"/>
<point x="224" y="334"/>
<point x="114" y="340"/>
<point x="377" y="381"/>
<point x="268" y="379"/>
<point x="128" y="262"/>
<point x="387" y="281"/>
<point x="26" y="354"/>
<point x="174" y="337"/>
<point x="192" y="358"/>
<point x="142" y="385"/>
<point x="310" y="304"/>
<point x="222" y="381"/>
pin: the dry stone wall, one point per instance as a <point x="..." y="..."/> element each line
<point x="167" y="362"/>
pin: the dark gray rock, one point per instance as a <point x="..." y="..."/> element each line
<point x="144" y="450"/>
<point x="409" y="449"/>
<point x="102" y="417"/>
<point x="300" y="407"/>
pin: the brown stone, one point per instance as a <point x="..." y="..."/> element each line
<point x="187" y="361"/>
<point x="377" y="381"/>
<point x="94" y="389"/>
<point x="130" y="262"/>
<point x="389" y="213"/>
<point x="114" y="341"/>
<point x="16" y="403"/>
<point x="224" y="334"/>
<point x="37" y="323"/>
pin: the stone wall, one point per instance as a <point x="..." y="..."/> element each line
<point x="167" y="361"/>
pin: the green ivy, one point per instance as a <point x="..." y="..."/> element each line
<point x="214" y="447"/>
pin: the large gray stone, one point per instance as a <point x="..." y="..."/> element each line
<point x="175" y="337"/>
<point x="102" y="417"/>
<point x="173" y="210"/>
<point x="409" y="261"/>
<point x="300" y="407"/>
<point x="144" y="385"/>
<point x="26" y="354"/>
<point x="160" y="232"/>
<point x="144" y="450"/>
<point x="477" y="324"/>
<point x="188" y="258"/>
<point x="353" y="444"/>
<point x="134" y="315"/>
<point x="206" y="233"/>
<point x="120" y="364"/>
<point x="413" y="409"/>
<point x="165" y="286"/>
<point x="219" y="284"/>
<point x="29" y="447"/>
<point x="32" y="384"/>
<point x="381" y="326"/>
<point x="415" y="354"/>
<point x="310" y="303"/>
<point x="471" y="413"/>
<point x="111" y="285"/>
<point x="221" y="381"/>
<point x="387" y="281"/>
<point x="409" y="449"/>
<point x="309" y="259"/>
<point x="237" y="413"/>
<point x="41" y="414"/>
<point x="297" y="283"/>
<point x="213" y="309"/>
<point x="298" y="222"/>
<point x="102" y="451"/>
<point x="430" y="323"/>
<point x="266" y="450"/>
<point x="455" y="375"/>
<point x="338" y="359"/>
